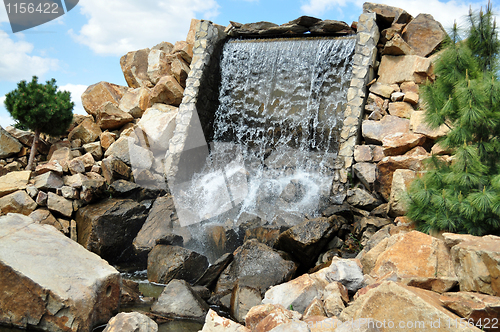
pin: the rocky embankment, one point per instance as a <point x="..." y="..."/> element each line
<point x="103" y="185"/>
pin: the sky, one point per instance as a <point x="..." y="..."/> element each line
<point x="84" y="46"/>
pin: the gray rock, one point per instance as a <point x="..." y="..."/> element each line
<point x="62" y="288"/>
<point x="179" y="300"/>
<point x="366" y="173"/>
<point x="166" y="262"/>
<point x="214" y="270"/>
<point x="362" y="198"/>
<point x="48" y="181"/>
<point x="256" y="265"/>
<point x="109" y="227"/>
<point x="59" y="204"/>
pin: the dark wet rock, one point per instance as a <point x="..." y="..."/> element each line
<point x="362" y="198"/>
<point x="344" y="210"/>
<point x="123" y="188"/>
<point x="130" y="292"/>
<point x="256" y="265"/>
<point x="306" y="240"/>
<point x="114" y="169"/>
<point x="213" y="271"/>
<point x="166" y="263"/>
<point x="264" y="234"/>
<point x="202" y="292"/>
<point x="62" y="287"/>
<point x="109" y="227"/>
<point x="180" y="301"/>
<point x="171" y="240"/>
<point x="331" y="26"/>
<point x="306" y="21"/>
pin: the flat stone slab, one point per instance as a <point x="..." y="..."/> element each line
<point x="50" y="282"/>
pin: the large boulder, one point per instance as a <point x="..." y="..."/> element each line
<point x="387" y="15"/>
<point x="62" y="288"/>
<point x="256" y="265"/>
<point x="415" y="258"/>
<point x="14" y="181"/>
<point x="477" y="262"/>
<point x="8" y="144"/>
<point x="109" y="116"/>
<point x="167" y="91"/>
<point x="404" y="68"/>
<point x="376" y="131"/>
<point x="306" y="240"/>
<point x="87" y="131"/>
<point x="419" y="126"/>
<point x="424" y="34"/>
<point x="482" y="309"/>
<point x="403" y="307"/>
<point x="178" y="300"/>
<point x="158" y="124"/>
<point x="135" y="101"/>
<point x="135" y="68"/>
<point x="167" y="262"/>
<point x="109" y="227"/>
<point x="131" y="322"/>
<point x="97" y="94"/>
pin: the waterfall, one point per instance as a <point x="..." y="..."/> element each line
<point x="276" y="130"/>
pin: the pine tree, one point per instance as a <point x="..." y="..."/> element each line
<point x="40" y="108"/>
<point x="464" y="196"/>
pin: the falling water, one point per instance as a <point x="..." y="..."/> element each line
<point x="276" y="131"/>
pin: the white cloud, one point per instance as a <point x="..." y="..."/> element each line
<point x="5" y="119"/>
<point x="76" y="91"/>
<point x="117" y="27"/>
<point x="446" y="12"/>
<point x="17" y="64"/>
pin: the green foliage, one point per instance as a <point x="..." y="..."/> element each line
<point x="464" y="196"/>
<point x="40" y="107"/>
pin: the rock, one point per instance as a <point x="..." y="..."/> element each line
<point x="107" y="139"/>
<point x="297" y="293"/>
<point x="158" y="65"/>
<point x="184" y="49"/>
<point x="395" y="303"/>
<point x="330" y="26"/>
<point x="306" y="240"/>
<point x="41" y="198"/>
<point x="276" y="318"/>
<point x="477" y="263"/>
<point x="397" y="46"/>
<point x="399" y="200"/>
<point x="166" y="262"/>
<point x="158" y="123"/>
<point x="135" y="68"/>
<point x="62" y="288"/>
<point x="51" y="166"/>
<point x="388" y="165"/>
<point x="215" y="323"/>
<point x="256" y="265"/>
<point x="87" y="131"/>
<point x="167" y="91"/>
<point x="97" y="94"/>
<point x="17" y="202"/>
<point x="70" y="192"/>
<point x="178" y="300"/>
<point x="400" y="143"/>
<point x="76" y="166"/>
<point x="375" y="131"/>
<point x="43" y="216"/>
<point x="59" y="204"/>
<point x="213" y="272"/>
<point x="48" y="181"/>
<point x="94" y="149"/>
<point x="135" y="102"/>
<point x="258" y="313"/>
<point x="109" y="116"/>
<point x="165" y="46"/>
<point x="243" y="298"/>
<point x="293" y="326"/>
<point x="479" y="308"/>
<point x="123" y="188"/>
<point x="366" y="173"/>
<point x="14" y="181"/>
<point x="61" y="156"/>
<point x="109" y="227"/>
<point x="180" y="68"/>
<point x="8" y="145"/>
<point x="412" y="255"/>
<point x="419" y="126"/>
<point x="315" y="308"/>
<point x="383" y="90"/>
<point x="363" y="153"/>
<point x="398" y="69"/>
<point x="362" y="198"/>
<point x="120" y="149"/>
<point x="400" y="109"/>
<point x="335" y="295"/>
<point x="114" y="169"/>
<point x="131" y="322"/>
<point x="424" y="34"/>
<point x="346" y="271"/>
<point x="387" y="15"/>
<point x="411" y="98"/>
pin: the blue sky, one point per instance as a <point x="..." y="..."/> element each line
<point x="84" y="46"/>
